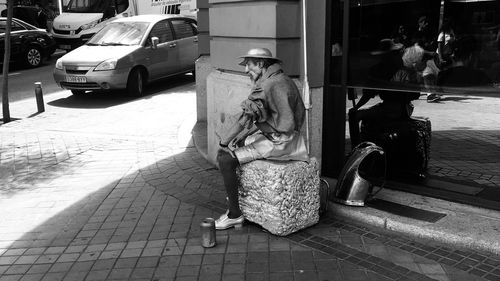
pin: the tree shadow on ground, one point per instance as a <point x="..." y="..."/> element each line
<point x="27" y="174"/>
<point x="104" y="99"/>
<point x="147" y="218"/>
<point x="151" y="203"/>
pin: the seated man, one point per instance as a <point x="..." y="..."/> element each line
<point x="276" y="108"/>
<point x="395" y="104"/>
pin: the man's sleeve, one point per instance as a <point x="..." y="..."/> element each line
<point x="254" y="108"/>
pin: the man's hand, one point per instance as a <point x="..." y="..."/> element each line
<point x="351" y="114"/>
<point x="226" y="149"/>
<point x="352" y="111"/>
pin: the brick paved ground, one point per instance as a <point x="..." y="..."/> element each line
<point x="117" y="192"/>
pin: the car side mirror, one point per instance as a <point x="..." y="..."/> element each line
<point x="154" y="42"/>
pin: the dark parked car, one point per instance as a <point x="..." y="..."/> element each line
<point x="29" y="44"/>
<point x="32" y="15"/>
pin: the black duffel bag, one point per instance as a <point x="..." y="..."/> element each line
<point x="406" y="143"/>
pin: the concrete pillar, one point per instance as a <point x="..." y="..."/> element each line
<point x="203" y="64"/>
<point x="236" y="27"/>
<point x="228" y="28"/>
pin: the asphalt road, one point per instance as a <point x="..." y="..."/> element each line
<point x="22" y="80"/>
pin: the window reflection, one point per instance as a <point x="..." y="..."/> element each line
<point x="425" y="51"/>
<point x="460" y="39"/>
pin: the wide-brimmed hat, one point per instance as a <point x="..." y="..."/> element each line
<point x="261" y="53"/>
<point x="385" y="46"/>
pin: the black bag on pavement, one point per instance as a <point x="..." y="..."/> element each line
<point x="406" y="144"/>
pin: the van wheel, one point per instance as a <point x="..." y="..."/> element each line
<point x="33" y="57"/>
<point x="77" y="92"/>
<point x="135" y="83"/>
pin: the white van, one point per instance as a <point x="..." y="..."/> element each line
<point x="80" y="19"/>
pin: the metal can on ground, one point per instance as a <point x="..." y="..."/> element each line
<point x="207" y="229"/>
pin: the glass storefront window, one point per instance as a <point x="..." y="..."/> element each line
<point x="441" y="60"/>
<point x="452" y="44"/>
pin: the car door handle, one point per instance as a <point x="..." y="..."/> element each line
<point x="173" y="45"/>
<point x="195" y="40"/>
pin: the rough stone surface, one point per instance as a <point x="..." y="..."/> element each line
<point x="282" y="197"/>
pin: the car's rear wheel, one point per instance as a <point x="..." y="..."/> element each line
<point x="33" y="56"/>
<point x="77" y="92"/>
<point x="135" y="83"/>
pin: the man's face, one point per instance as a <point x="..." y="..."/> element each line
<point x="253" y="69"/>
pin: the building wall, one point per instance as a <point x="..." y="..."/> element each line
<point x="203" y="65"/>
<point x="236" y="26"/>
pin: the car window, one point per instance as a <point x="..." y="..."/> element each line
<point x="162" y="31"/>
<point x="120" y="33"/>
<point x="15" y="26"/>
<point x="182" y="29"/>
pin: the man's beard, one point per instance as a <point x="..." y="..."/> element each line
<point x="257" y="76"/>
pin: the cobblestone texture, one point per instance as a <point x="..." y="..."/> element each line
<point x="87" y="197"/>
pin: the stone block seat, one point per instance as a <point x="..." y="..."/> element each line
<point x="282" y="197"/>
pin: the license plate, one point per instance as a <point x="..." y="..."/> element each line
<point x="65" y="47"/>
<point x="76" y="79"/>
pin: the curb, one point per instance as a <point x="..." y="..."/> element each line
<point x="454" y="230"/>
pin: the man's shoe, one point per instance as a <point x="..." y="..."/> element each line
<point x="432" y="98"/>
<point x="224" y="222"/>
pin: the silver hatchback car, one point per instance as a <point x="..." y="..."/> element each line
<point x="130" y="52"/>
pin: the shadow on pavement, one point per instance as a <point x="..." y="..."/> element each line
<point x="139" y="226"/>
<point x="111" y="98"/>
<point x="93" y="100"/>
<point x="144" y="205"/>
<point x="11" y="120"/>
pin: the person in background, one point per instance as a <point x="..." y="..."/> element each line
<point x="276" y="109"/>
<point x="413" y="65"/>
<point x="462" y="73"/>
<point x="41" y="16"/>
<point x="400" y="36"/>
<point x="424" y="37"/>
<point x="429" y="77"/>
<point x="445" y="37"/>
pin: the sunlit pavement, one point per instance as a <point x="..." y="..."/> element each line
<point x="111" y="188"/>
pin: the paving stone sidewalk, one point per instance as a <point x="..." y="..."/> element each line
<point x="93" y="194"/>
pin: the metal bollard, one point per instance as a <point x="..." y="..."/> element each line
<point x="39" y="97"/>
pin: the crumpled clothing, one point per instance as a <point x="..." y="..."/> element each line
<point x="274" y="146"/>
<point x="274" y="104"/>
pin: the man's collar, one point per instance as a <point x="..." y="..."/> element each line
<point x="273" y="69"/>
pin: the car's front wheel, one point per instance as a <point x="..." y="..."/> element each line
<point x="33" y="56"/>
<point x="135" y="83"/>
